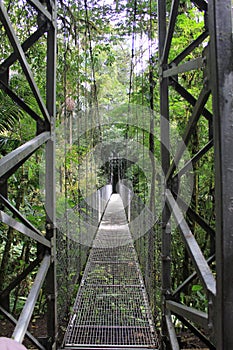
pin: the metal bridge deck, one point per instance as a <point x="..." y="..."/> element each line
<point x="111" y="310"/>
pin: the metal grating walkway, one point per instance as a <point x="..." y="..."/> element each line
<point x="111" y="310"/>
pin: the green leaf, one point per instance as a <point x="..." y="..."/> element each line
<point x="196" y="287"/>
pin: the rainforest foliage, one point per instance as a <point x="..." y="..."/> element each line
<point x="107" y="57"/>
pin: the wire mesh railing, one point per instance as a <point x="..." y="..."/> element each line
<point x="145" y="230"/>
<point x="111" y="308"/>
<point x="77" y="230"/>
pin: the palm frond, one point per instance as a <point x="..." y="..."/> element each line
<point x="9" y="113"/>
<point x="7" y="144"/>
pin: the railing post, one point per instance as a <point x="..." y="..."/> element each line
<point x="221" y="69"/>
<point x="165" y="159"/>
<point x="51" y="287"/>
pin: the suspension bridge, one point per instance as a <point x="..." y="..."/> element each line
<point x="121" y="235"/>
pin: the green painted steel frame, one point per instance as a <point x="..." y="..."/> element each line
<point x="45" y="122"/>
<point x="217" y="62"/>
